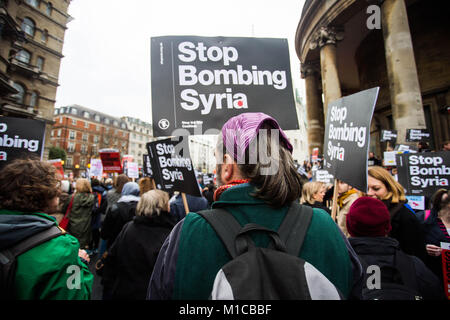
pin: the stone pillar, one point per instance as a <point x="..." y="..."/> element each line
<point x="314" y="106"/>
<point x="326" y="39"/>
<point x="406" y="98"/>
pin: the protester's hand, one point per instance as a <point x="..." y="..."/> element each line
<point x="83" y="255"/>
<point x="433" y="250"/>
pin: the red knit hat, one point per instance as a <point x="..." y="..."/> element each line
<point x="368" y="217"/>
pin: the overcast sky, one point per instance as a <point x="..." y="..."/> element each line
<point x="106" y="64"/>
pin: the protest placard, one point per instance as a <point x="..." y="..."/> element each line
<point x="20" y="138"/>
<point x="389" y="135"/>
<point x="132" y="170"/>
<point x="172" y="166"/>
<point x="347" y="133"/>
<point x="111" y="160"/>
<point x="96" y="169"/>
<point x="147" y="167"/>
<point x="422" y="174"/>
<point x="417" y="135"/>
<point x="198" y="83"/>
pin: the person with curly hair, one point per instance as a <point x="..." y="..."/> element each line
<point x="28" y="196"/>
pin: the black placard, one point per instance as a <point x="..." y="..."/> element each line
<point x="417" y="135"/>
<point x="422" y="174"/>
<point x="172" y="167"/>
<point x="147" y="167"/>
<point x="20" y="138"/>
<point x="198" y="83"/>
<point x="347" y="134"/>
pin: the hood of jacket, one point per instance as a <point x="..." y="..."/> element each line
<point x="374" y="245"/>
<point x="130" y="192"/>
<point x="16" y="226"/>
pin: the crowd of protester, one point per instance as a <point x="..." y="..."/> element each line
<point x="145" y="246"/>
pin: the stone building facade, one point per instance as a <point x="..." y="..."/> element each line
<point x="402" y="46"/>
<point x="31" y="42"/>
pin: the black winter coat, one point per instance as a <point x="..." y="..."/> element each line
<point x="380" y="251"/>
<point x="406" y="229"/>
<point x="133" y="255"/>
<point x="116" y="218"/>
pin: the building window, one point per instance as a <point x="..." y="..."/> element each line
<point x="71" y="147"/>
<point x="23" y="56"/>
<point x="74" y="122"/>
<point x="86" y="125"/>
<point x="86" y="114"/>
<point x="85" y="137"/>
<point x="28" y="26"/>
<point x="95" y="139"/>
<point x="59" y="132"/>
<point x="33" y="99"/>
<point x="73" y="111"/>
<point x="106" y="121"/>
<point x="56" y="111"/>
<point x="34" y="3"/>
<point x="20" y="95"/>
<point x="97" y="118"/>
<point x="44" y="35"/>
<point x="69" y="161"/>
<point x="72" y="134"/>
<point x="83" y="148"/>
<point x="49" y="9"/>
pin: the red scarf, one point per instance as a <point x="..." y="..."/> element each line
<point x="233" y="183"/>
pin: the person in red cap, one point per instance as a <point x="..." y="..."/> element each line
<point x="390" y="274"/>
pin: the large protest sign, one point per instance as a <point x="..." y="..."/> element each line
<point x="111" y="160"/>
<point x="198" y="83"/>
<point x="347" y="134"/>
<point x="389" y="135"/>
<point x="20" y="138"/>
<point x="422" y="174"/>
<point x="172" y="166"/>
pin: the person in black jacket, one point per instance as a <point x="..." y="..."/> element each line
<point x="368" y="222"/>
<point x="406" y="228"/>
<point x="436" y="228"/>
<point x="121" y="212"/>
<point x="133" y="255"/>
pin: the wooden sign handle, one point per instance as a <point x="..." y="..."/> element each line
<point x="186" y="207"/>
<point x="334" y="206"/>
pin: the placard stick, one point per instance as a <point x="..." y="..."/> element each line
<point x="334" y="207"/>
<point x="186" y="207"/>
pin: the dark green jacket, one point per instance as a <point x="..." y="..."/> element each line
<point x="51" y="270"/>
<point x="193" y="254"/>
<point x="80" y="218"/>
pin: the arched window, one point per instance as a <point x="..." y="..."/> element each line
<point x="21" y="94"/>
<point x="49" y="9"/>
<point x="28" y="26"/>
<point x="33" y="99"/>
<point x="23" y="56"/>
<point x="34" y="3"/>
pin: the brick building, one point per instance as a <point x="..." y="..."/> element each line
<point x="31" y="42"/>
<point x="82" y="132"/>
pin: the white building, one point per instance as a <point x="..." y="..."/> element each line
<point x="299" y="138"/>
<point x="140" y="133"/>
<point x="201" y="148"/>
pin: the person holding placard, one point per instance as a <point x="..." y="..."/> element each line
<point x="406" y="227"/>
<point x="437" y="230"/>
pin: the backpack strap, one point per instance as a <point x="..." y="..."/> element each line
<point x="295" y="224"/>
<point x="225" y="225"/>
<point x="36" y="240"/>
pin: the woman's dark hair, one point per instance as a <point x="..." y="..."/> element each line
<point x="28" y="185"/>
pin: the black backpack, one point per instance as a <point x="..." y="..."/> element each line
<point x="401" y="284"/>
<point x="272" y="273"/>
<point x="8" y="259"/>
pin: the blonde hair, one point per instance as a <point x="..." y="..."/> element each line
<point x="151" y="202"/>
<point x="396" y="192"/>
<point x="309" y="190"/>
<point x="83" y="186"/>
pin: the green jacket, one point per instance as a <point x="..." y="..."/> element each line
<point x="80" y="218"/>
<point x="193" y="254"/>
<point x="51" y="270"/>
